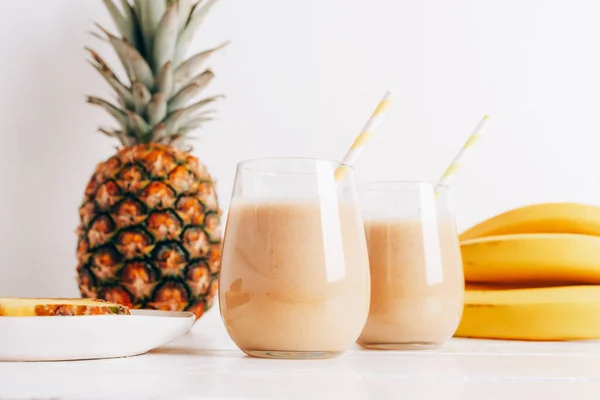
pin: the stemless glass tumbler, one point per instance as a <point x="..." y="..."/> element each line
<point x="294" y="279"/>
<point x="417" y="283"/>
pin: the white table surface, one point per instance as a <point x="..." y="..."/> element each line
<point x="205" y="364"/>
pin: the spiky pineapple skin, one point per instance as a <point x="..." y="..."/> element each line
<point x="149" y="233"/>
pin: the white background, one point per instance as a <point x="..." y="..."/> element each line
<point x="301" y="78"/>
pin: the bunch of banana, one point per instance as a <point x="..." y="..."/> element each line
<point x="533" y="273"/>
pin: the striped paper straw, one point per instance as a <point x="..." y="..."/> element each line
<point x="462" y="155"/>
<point x="359" y="143"/>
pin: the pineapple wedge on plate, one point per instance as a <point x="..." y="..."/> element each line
<point x="36" y="329"/>
<point x="39" y="307"/>
<point x="149" y="234"/>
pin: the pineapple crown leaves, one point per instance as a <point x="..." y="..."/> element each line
<point x="158" y="100"/>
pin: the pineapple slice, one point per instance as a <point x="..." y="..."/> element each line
<point x="32" y="307"/>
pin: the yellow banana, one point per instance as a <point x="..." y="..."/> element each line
<point x="490" y="286"/>
<point x="533" y="258"/>
<point x="540" y="218"/>
<point x="544" y="314"/>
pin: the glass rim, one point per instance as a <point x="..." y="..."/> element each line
<point x="401" y="185"/>
<point x="245" y="164"/>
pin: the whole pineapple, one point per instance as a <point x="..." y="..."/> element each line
<point x="149" y="234"/>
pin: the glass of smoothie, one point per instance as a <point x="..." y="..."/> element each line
<point x="417" y="283"/>
<point x="294" y="279"/>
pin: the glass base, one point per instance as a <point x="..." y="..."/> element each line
<point x="293" y="355"/>
<point x="400" y="346"/>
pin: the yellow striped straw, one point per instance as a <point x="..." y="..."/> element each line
<point x="462" y="155"/>
<point x="359" y="143"/>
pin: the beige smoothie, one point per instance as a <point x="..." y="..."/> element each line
<point x="295" y="276"/>
<point x="417" y="283"/>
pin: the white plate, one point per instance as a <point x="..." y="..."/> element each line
<point x="89" y="337"/>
